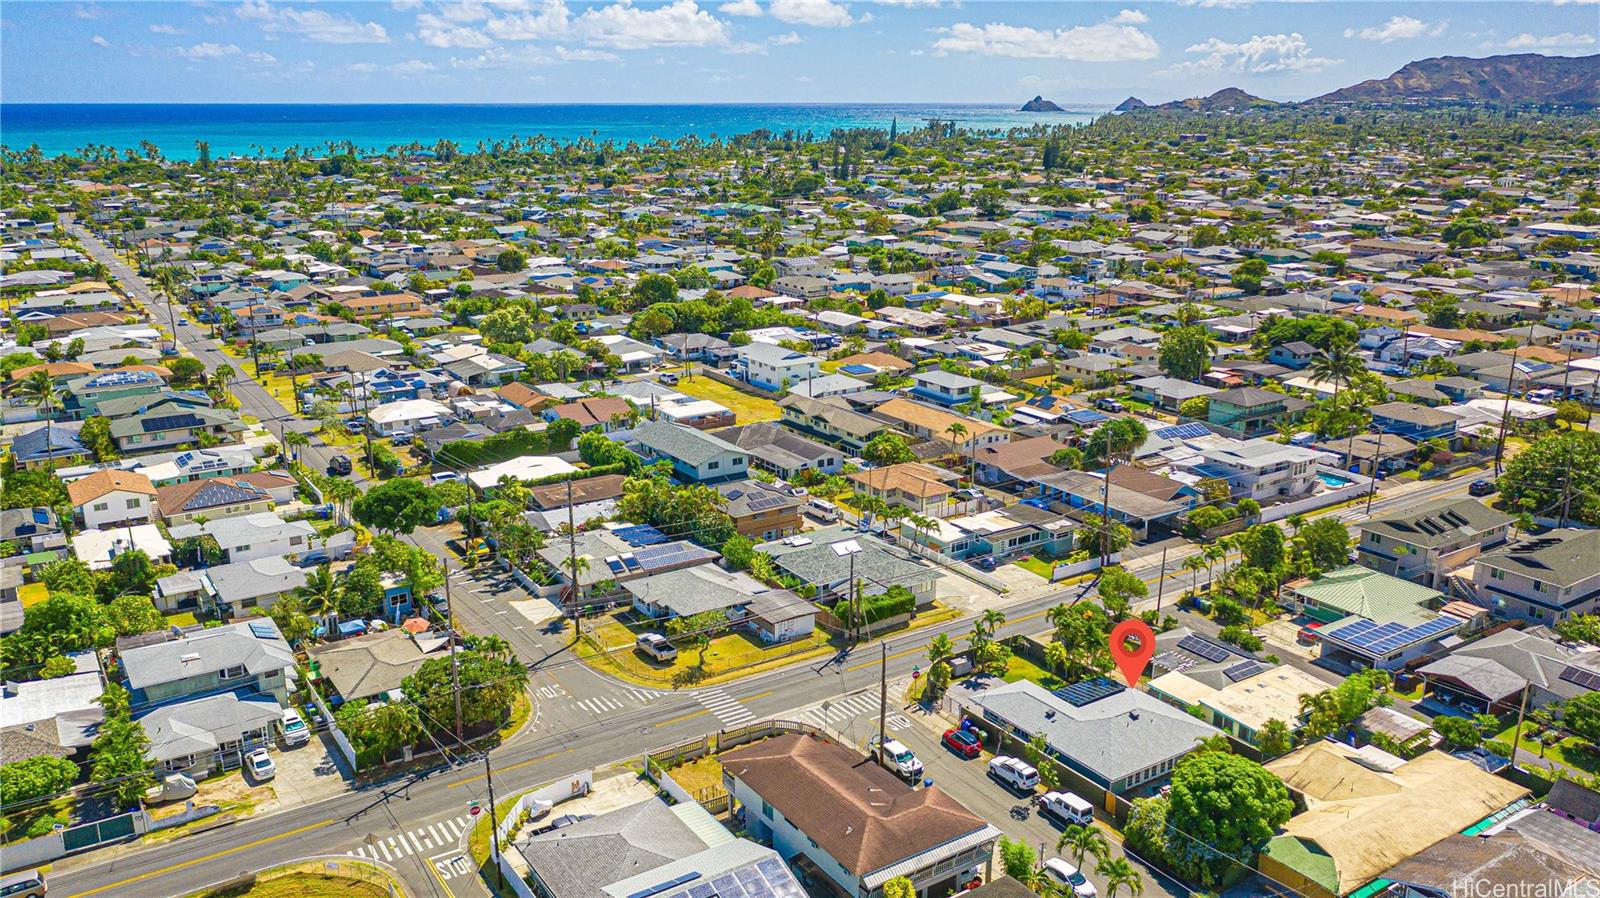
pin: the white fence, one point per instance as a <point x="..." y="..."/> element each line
<point x="339" y="738"/>
<point x="1063" y="570"/>
<point x="958" y="567"/>
<point x="573" y="786"/>
<point x="1358" y="486"/>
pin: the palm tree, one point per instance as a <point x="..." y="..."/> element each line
<point x="294" y="439"/>
<point x="39" y="390"/>
<point x="991" y="619"/>
<point x="168" y="281"/>
<point x="956" y="432"/>
<point x="577" y="566"/>
<point x="1193" y="564"/>
<point x="1212" y="554"/>
<point x="320" y="594"/>
<point x="341" y="492"/>
<point x="220" y="379"/>
<point x="1337" y="363"/>
<point x="1120" y="874"/>
<point x="1079" y="842"/>
<point x="1056" y="657"/>
<point x="493" y="646"/>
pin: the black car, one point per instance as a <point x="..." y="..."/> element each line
<point x="1481" y="488"/>
<point x="339" y="466"/>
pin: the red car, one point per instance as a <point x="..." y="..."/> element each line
<point x="962" y="743"/>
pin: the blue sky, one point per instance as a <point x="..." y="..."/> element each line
<point x="744" y="50"/>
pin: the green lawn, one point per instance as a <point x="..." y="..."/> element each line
<point x="747" y="409"/>
<point x="1571" y="752"/>
<point x="182" y="619"/>
<point x="1020" y="668"/>
<point x="1036" y="565"/>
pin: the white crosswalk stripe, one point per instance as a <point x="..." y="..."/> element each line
<point x="724" y="706"/>
<point x="433" y="837"/>
<point x="626" y="698"/>
<point x="862" y="704"/>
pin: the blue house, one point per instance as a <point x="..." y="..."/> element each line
<point x="944" y="387"/>
<point x="1414" y="422"/>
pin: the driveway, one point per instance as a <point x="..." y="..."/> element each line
<point x="309" y="773"/>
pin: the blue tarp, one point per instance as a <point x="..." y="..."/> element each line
<point x="352" y="628"/>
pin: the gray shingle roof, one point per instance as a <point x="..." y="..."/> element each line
<point x="578" y="861"/>
<point x="197" y="727"/>
<point x="685" y="444"/>
<point x="214" y="649"/>
<point x="1562" y="557"/>
<point x="1438" y="522"/>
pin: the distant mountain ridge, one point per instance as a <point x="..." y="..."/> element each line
<point x="1516" y="78"/>
<point x="1227" y="99"/>
<point x="1040" y="104"/>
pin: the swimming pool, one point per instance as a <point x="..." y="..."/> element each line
<point x="1333" y="481"/>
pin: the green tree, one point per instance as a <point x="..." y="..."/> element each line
<point x="1038" y="754"/>
<point x="1580" y="628"/>
<point x="95" y="435"/>
<point x="1461" y="732"/>
<point x="1222" y="802"/>
<point x="378" y="731"/>
<point x="489" y="686"/>
<point x="134" y="614"/>
<point x="186" y="371"/>
<point x="887" y="449"/>
<point x="1119" y="589"/>
<point x="396" y="506"/>
<point x="1274" y="738"/>
<point x="34" y="778"/>
<point x="38" y="390"/>
<point x="1016" y="858"/>
<point x="1558" y="469"/>
<point x="1326" y="542"/>
<point x="1185" y="352"/>
<point x="738" y="553"/>
<point x="1247" y="276"/>
<point x="899" y="887"/>
<point x="117" y="755"/>
<point x="1582" y="716"/>
<point x="131" y="572"/>
<point x="511" y="260"/>
<point x="653" y="288"/>
<point x="1337" y="364"/>
<point x="699" y="630"/>
<point x="1120" y="876"/>
<point x="1079" y="842"/>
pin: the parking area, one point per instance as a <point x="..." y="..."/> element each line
<point x="308" y="773"/>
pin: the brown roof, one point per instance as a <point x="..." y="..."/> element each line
<point x="912" y="478"/>
<point x="749" y="291"/>
<point x="267" y="480"/>
<point x="54" y="369"/>
<point x="593" y="411"/>
<point x="1021" y="458"/>
<point x="100" y="483"/>
<point x="589" y="489"/>
<point x="862" y="815"/>
<point x="520" y="394"/>
<point x="876" y="360"/>
<point x="1129" y="477"/>
<point x="172" y="498"/>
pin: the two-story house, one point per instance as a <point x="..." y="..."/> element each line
<point x="1262" y="469"/>
<point x="252" y="536"/>
<point x="696" y="456"/>
<point x="831" y="420"/>
<point x="761" y="512"/>
<point x="1252" y="411"/>
<point x="112" y="498"/>
<point x="206" y="697"/>
<point x="165" y="428"/>
<point x="1295" y="354"/>
<point x="924" y="489"/>
<point x="1544" y="579"/>
<point x="928" y="423"/>
<point x="1413" y="421"/>
<point x="944" y="387"/>
<point x="772" y="367"/>
<point x="1425" y="543"/>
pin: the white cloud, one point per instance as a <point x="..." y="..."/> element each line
<point x="1398" y="28"/>
<point x="1526" y="41"/>
<point x="1130" y="17"/>
<point x="311" y="23"/>
<point x="1256" y="55"/>
<point x="260" y="58"/>
<point x="88" y="11"/>
<point x="405" y="5"/>
<point x="533" y="21"/>
<point x="803" y="79"/>
<point x="1216" y="4"/>
<point x="785" y="40"/>
<point x="817" y="13"/>
<point x="741" y="8"/>
<point x="681" y="23"/>
<point x="411" y="67"/>
<point x="99" y="41"/>
<point x="503" y="58"/>
<point x="747" y="48"/>
<point x="209" y="50"/>
<point x="1103" y="42"/>
<point x="166" y="29"/>
<point x="439" y="31"/>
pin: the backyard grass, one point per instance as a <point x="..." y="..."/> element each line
<point x="703" y="772"/>
<point x="31" y="594"/>
<point x="1570" y="752"/>
<point x="182" y="619"/>
<point x="1036" y="565"/>
<point x="1020" y="668"/>
<point x="747" y="409"/>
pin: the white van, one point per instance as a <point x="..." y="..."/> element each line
<point x="822" y="510"/>
<point x="656" y="646"/>
<point x="1014" y="773"/>
<point x="1066" y="809"/>
<point x="898" y="758"/>
<point x="1069" y="878"/>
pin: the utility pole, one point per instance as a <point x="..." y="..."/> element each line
<point x="883" y="697"/>
<point x="1516" y="736"/>
<point x="1161" y="579"/>
<point x="855" y="602"/>
<point x="455" y="679"/>
<point x="572" y="561"/>
<point x="1505" y="414"/>
<point x="1372" y="486"/>
<point x="494" y="822"/>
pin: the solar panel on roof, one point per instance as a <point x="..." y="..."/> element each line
<point x="262" y="630"/>
<point x="40" y="516"/>
<point x="763" y="503"/>
<point x="1080" y="694"/>
<point x="701" y="890"/>
<point x="1182" y="431"/>
<point x="1205" y="648"/>
<point x="727" y="887"/>
<point x="1244" y="670"/>
<point x="1580" y="676"/>
<point x="1382" y="639"/>
<point x="1047" y="402"/>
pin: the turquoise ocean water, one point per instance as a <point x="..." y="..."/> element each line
<point x="254" y="128"/>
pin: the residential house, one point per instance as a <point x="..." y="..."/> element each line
<point x="1370" y="619"/>
<point x="783" y="452"/>
<point x="1414" y="422"/>
<point x="239" y="588"/>
<point x="31" y="530"/>
<point x="55" y="717"/>
<point x="1017" y="460"/>
<point x="706" y="587"/>
<point x="252" y="536"/>
<point x="112" y="498"/>
<point x="1428" y="542"/>
<point x="1089" y="493"/>
<point x="1251" y="411"/>
<point x="206" y="697"/>
<point x="826" y="559"/>
<point x="614" y="560"/>
<point x="761" y="512"/>
<point x="1296" y="354"/>
<point x="1496" y="672"/>
<point x="50" y="446"/>
<point x="696" y="456"/>
<point x="772" y="367"/>
<point x="858" y="824"/>
<point x="167" y="427"/>
<point x="408" y="416"/>
<point x="372" y="666"/>
<point x="1365" y="813"/>
<point x="944" y="387"/>
<point x="924" y="489"/>
<point x="212" y="498"/>
<point x="1168" y="393"/>
<point x="928" y="423"/>
<point x="603" y="413"/>
<point x="1108" y="738"/>
<point x="831" y="420"/>
<point x="1262" y="470"/>
<point x="1544" y="579"/>
<point x="1241" y="698"/>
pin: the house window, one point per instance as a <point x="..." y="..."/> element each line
<point x="766" y="809"/>
<point x="1538" y="586"/>
<point x="713" y="465"/>
<point x="102" y="506"/>
<point x="1496" y="574"/>
<point x="133" y="503"/>
<point x="231" y="673"/>
<point x="241" y="548"/>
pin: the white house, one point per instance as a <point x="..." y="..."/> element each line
<point x="1545" y="579"/>
<point x="1262" y="469"/>
<point x="112" y="498"/>
<point x="774" y="368"/>
<point x="249" y="537"/>
<point x="409" y="415"/>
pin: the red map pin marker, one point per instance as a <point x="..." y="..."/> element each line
<point x="1131" y="661"/>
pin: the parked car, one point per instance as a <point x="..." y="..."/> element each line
<point x="442" y="477"/>
<point x="1308" y="633"/>
<point x="897" y="758"/>
<point x="822" y="510"/>
<point x="1482" y="488"/>
<point x="173" y="787"/>
<point x="656" y="646"/>
<point x="295" y="731"/>
<point x="1107" y="404"/>
<point x="1014" y="773"/>
<point x="562" y="822"/>
<point x="669" y="379"/>
<point x="962" y="742"/>
<point x="400" y="437"/>
<point x="260" y="765"/>
<point x="354" y="426"/>
<point x="339" y="466"/>
<point x="1066" y="809"/>
<point x="23" y="885"/>
<point x="1069" y="877"/>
